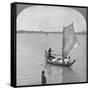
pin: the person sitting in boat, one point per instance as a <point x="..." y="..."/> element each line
<point x="49" y="54"/>
<point x="66" y="60"/>
<point x="54" y="59"/>
<point x="69" y="58"/>
<point x="59" y="60"/>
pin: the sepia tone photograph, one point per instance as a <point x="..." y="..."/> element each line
<point x="51" y="44"/>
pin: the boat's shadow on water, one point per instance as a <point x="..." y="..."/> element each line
<point x="67" y="73"/>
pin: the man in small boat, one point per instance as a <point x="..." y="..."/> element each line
<point x="59" y="60"/>
<point x="69" y="58"/>
<point x="43" y="81"/>
<point x="66" y="60"/>
<point x="49" y="54"/>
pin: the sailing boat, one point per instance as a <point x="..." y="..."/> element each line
<point x="68" y="44"/>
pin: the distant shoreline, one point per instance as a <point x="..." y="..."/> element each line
<point x="23" y="32"/>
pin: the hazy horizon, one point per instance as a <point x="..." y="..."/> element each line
<point x="84" y="31"/>
<point x="49" y="18"/>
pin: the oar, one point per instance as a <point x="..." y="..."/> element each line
<point x="43" y="62"/>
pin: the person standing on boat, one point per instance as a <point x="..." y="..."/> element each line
<point x="43" y="81"/>
<point x="49" y="54"/>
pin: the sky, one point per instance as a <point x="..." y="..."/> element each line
<point x="50" y="18"/>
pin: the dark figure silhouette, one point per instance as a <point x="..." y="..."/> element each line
<point x="69" y="57"/>
<point x="43" y="78"/>
<point x="49" y="54"/>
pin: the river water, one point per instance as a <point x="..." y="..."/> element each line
<point x="30" y="56"/>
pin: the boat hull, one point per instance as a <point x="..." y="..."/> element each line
<point x="61" y="64"/>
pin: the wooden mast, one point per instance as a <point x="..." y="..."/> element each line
<point x="63" y="44"/>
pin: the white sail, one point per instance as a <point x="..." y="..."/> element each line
<point x="69" y="39"/>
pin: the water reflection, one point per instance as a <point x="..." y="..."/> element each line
<point x="48" y="68"/>
<point x="63" y="74"/>
<point x="69" y="75"/>
<point x="53" y="72"/>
